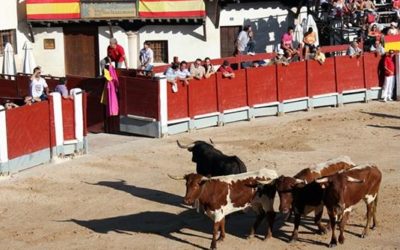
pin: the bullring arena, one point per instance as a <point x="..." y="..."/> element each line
<point x="119" y="196"/>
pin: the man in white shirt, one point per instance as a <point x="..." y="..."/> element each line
<point x="243" y="39"/>
<point x="38" y="86"/>
<point x="146" y="57"/>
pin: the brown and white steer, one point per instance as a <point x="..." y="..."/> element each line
<point x="344" y="190"/>
<point x="223" y="195"/>
<point x="308" y="200"/>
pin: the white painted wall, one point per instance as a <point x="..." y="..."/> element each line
<point x="269" y="21"/>
<point x="52" y="61"/>
<point x="185" y="41"/>
<point x="8" y="14"/>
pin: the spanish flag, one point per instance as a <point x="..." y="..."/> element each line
<point x="52" y="9"/>
<point x="172" y="8"/>
<point x="392" y="42"/>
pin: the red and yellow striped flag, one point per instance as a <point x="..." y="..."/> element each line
<point x="392" y="42"/>
<point x="52" y="9"/>
<point x="171" y="8"/>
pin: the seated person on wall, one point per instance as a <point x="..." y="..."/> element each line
<point x="209" y="68"/>
<point x="197" y="70"/>
<point x="172" y="74"/>
<point x="309" y="40"/>
<point x="62" y="87"/>
<point x="38" y="87"/>
<point x="354" y="50"/>
<point x="319" y="55"/>
<point x="377" y="48"/>
<point x="146" y="58"/>
<point x="279" y="59"/>
<point x="226" y="70"/>
<point x="183" y="73"/>
<point x="287" y="42"/>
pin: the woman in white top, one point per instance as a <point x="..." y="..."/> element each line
<point x="38" y="86"/>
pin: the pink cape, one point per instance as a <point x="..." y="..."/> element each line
<point x="110" y="98"/>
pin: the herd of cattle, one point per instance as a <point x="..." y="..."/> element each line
<point x="223" y="186"/>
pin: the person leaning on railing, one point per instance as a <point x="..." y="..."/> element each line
<point x="354" y="50"/>
<point x="172" y="74"/>
<point x="226" y="70"/>
<point x="197" y="70"/>
<point x="209" y="68"/>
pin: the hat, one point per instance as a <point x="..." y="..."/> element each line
<point x="393" y="24"/>
<point x="280" y="52"/>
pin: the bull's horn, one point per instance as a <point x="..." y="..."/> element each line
<point x="184" y="146"/>
<point x="264" y="182"/>
<point x="322" y="180"/>
<point x="351" y="179"/>
<point x="211" y="141"/>
<point x="178" y="178"/>
<point x="300" y="181"/>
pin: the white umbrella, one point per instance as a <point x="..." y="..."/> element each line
<point x="311" y="23"/>
<point x="29" y="61"/>
<point x="8" y="60"/>
<point x="298" y="35"/>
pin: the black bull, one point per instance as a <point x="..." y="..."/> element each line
<point x="212" y="162"/>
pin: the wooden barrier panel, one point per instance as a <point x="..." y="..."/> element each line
<point x="321" y="78"/>
<point x="28" y="129"/>
<point x="178" y="103"/>
<point x="68" y="119"/>
<point x="261" y="85"/>
<point x="8" y="87"/>
<point x="141" y="97"/>
<point x="373" y="70"/>
<point x="349" y="73"/>
<point x="292" y="81"/>
<point x="232" y="93"/>
<point x="203" y="96"/>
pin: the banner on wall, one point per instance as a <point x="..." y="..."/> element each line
<point x="108" y="10"/>
<point x="52" y="9"/>
<point x="172" y="9"/>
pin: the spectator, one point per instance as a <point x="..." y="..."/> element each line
<point x="319" y="56"/>
<point x="62" y="87"/>
<point x="197" y="70"/>
<point x="28" y="100"/>
<point x="183" y="73"/>
<point x="10" y="105"/>
<point x="242" y="40"/>
<point x="354" y="50"/>
<point x="172" y="75"/>
<point x="309" y="40"/>
<point x="226" y="70"/>
<point x="393" y="29"/>
<point x="287" y="42"/>
<point x="175" y="60"/>
<point x="389" y="68"/>
<point x="374" y="33"/>
<point x="251" y="45"/>
<point x="259" y="63"/>
<point x="38" y="86"/>
<point x="396" y="7"/>
<point x="279" y="59"/>
<point x="209" y="68"/>
<point x="378" y="48"/>
<point x="146" y="58"/>
<point x="116" y="54"/>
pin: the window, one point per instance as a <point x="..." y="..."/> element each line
<point x="160" y="49"/>
<point x="8" y="36"/>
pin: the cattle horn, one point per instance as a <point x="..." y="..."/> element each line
<point x="178" y="178"/>
<point x="184" y="146"/>
<point x="322" y="180"/>
<point x="211" y="141"/>
<point x="351" y="179"/>
<point x="264" y="182"/>
<point x="300" y="181"/>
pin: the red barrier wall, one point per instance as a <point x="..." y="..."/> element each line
<point x="349" y="73"/>
<point x="141" y="97"/>
<point x="372" y="70"/>
<point x="203" y="96"/>
<point x="28" y="129"/>
<point x="178" y="104"/>
<point x="261" y="85"/>
<point x="8" y="88"/>
<point x="232" y="93"/>
<point x="292" y="81"/>
<point x="68" y="119"/>
<point x="321" y="78"/>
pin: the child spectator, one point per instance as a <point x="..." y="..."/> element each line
<point x="183" y="73"/>
<point x="209" y="68"/>
<point x="197" y="70"/>
<point x="38" y="86"/>
<point x="62" y="87"/>
<point x="226" y="70"/>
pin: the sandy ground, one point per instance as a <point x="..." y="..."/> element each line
<point x="119" y="196"/>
